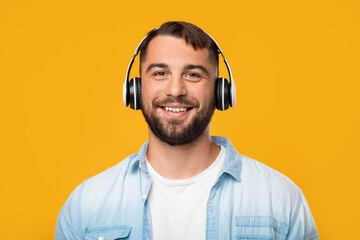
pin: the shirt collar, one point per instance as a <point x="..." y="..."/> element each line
<point x="139" y="158"/>
<point x="232" y="158"/>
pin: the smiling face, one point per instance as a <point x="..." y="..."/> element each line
<point x="178" y="87"/>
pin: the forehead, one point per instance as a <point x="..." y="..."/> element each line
<point x="169" y="49"/>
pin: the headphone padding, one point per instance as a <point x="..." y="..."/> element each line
<point x="218" y="91"/>
<point x="126" y="94"/>
<point x="222" y="94"/>
<point x="135" y="93"/>
<point x="138" y="93"/>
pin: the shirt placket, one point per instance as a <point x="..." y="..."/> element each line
<point x="145" y="189"/>
<point x="212" y="212"/>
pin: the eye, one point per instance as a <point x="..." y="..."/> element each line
<point x="192" y="76"/>
<point x="160" y="75"/>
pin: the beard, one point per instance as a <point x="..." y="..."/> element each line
<point x="173" y="131"/>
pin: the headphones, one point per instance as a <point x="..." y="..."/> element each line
<point x="225" y="92"/>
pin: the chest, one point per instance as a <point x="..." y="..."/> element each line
<point x="220" y="211"/>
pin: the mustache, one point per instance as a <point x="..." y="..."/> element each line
<point x="180" y="100"/>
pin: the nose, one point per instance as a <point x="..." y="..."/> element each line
<point x="176" y="87"/>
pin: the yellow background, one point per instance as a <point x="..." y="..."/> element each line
<point x="295" y="63"/>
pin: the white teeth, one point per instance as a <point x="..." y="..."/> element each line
<point x="170" y="109"/>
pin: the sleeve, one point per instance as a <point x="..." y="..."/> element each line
<point x="68" y="225"/>
<point x="302" y="225"/>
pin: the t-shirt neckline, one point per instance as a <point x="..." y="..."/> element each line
<point x="187" y="181"/>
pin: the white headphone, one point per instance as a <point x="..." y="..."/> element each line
<point x="225" y="92"/>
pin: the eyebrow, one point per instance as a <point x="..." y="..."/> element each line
<point x="192" y="66"/>
<point x="159" y="65"/>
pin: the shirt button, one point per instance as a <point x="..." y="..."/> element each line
<point x="101" y="238"/>
<point x="144" y="196"/>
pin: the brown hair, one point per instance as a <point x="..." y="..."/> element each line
<point x="189" y="32"/>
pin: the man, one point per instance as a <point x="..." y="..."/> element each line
<point x="184" y="184"/>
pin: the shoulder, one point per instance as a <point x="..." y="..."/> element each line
<point x="113" y="172"/>
<point x="254" y="171"/>
<point x="251" y="173"/>
<point x="117" y="173"/>
<point x="90" y="198"/>
<point x="94" y="192"/>
<point x="266" y="187"/>
<point x="281" y="198"/>
<point x="108" y="180"/>
<point x="265" y="192"/>
<point x="268" y="192"/>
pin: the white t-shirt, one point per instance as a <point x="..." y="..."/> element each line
<point x="178" y="207"/>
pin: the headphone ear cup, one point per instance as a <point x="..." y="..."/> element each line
<point x="222" y="94"/>
<point x="135" y="93"/>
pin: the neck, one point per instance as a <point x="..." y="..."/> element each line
<point x="182" y="161"/>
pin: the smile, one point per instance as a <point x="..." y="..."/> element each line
<point x="173" y="109"/>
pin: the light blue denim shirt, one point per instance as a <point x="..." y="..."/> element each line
<point x="249" y="201"/>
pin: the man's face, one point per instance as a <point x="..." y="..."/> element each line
<point x="177" y="95"/>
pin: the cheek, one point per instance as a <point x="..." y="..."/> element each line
<point x="203" y="92"/>
<point x="149" y="91"/>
